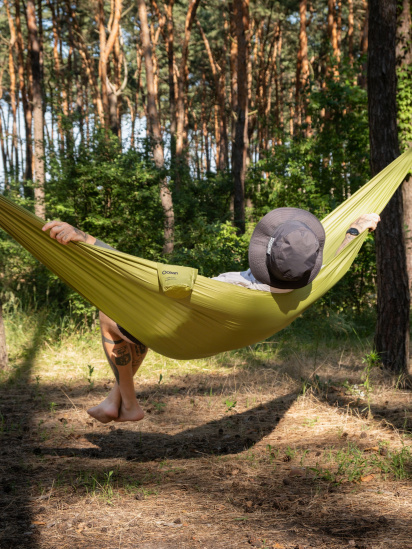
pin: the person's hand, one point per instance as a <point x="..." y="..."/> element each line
<point x="65" y="233"/>
<point x="366" y="221"/>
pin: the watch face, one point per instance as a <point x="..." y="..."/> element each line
<point x="353" y="231"/>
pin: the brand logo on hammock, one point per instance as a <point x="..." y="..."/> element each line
<point x="169" y="273"/>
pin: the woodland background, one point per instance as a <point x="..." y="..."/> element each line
<point x="168" y="128"/>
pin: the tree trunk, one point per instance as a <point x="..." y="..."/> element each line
<point x="61" y="109"/>
<point x="392" y="329"/>
<point x="156" y="134"/>
<point x="233" y="75"/>
<point x="106" y="47"/>
<point x="404" y="62"/>
<point x="205" y="133"/>
<point x="220" y="107"/>
<point x="350" y="31"/>
<point x="171" y="80"/>
<point x="28" y="173"/>
<point x="39" y="176"/>
<point x="4" y="361"/>
<point x="182" y="88"/>
<point x="302" y="71"/>
<point x="12" y="75"/>
<point x="2" y="144"/>
<point x="239" y="153"/>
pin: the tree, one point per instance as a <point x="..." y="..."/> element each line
<point x="240" y="146"/>
<point x="3" y="348"/>
<point x="39" y="175"/>
<point x="404" y="62"/>
<point x="155" y="131"/>
<point x="106" y="47"/>
<point x="181" y="136"/>
<point x="392" y="328"/>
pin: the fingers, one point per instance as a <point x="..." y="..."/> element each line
<point x="63" y="232"/>
<point x="51" y="224"/>
<point x="368" y="221"/>
<point x="373" y="220"/>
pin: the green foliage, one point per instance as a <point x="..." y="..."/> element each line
<point x="404" y="100"/>
<point x="318" y="172"/>
<point x="110" y="194"/>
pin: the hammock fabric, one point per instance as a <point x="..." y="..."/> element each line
<point x="216" y="316"/>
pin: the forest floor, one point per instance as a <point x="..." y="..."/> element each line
<point x="255" y="448"/>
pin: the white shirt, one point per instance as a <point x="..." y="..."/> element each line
<point x="247" y="280"/>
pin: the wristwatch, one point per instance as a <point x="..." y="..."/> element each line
<point x="352" y="231"/>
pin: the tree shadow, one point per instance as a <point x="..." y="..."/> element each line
<point x="230" y="435"/>
<point x="17" y="405"/>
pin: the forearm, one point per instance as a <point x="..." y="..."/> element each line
<point x="363" y="223"/>
<point x="348" y="238"/>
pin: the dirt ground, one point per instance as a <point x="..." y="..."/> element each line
<point x="233" y="458"/>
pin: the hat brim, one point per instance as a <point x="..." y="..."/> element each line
<point x="264" y="231"/>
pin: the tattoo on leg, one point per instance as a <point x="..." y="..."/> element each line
<point x="122" y="355"/>
<point x="123" y="360"/>
<point x="111" y="364"/>
<point x="140" y="348"/>
<point x="139" y="352"/>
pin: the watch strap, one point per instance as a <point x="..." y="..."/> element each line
<point x="352" y="231"/>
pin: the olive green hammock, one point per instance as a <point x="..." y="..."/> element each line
<point x="213" y="316"/>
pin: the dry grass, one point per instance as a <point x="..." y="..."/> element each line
<point x="251" y="449"/>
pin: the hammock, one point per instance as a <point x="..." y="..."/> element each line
<point x="216" y="316"/>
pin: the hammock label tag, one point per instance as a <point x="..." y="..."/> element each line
<point x="176" y="281"/>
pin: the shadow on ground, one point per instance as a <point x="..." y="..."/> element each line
<point x="230" y="435"/>
<point x="17" y="404"/>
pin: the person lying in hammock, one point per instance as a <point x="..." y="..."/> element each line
<point x="285" y="253"/>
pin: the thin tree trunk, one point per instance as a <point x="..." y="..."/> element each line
<point x="39" y="175"/>
<point x="392" y="329"/>
<point x="350" y="31"/>
<point x="241" y="9"/>
<point x="2" y="144"/>
<point x="4" y="361"/>
<point x="12" y="75"/>
<point x="156" y="134"/>
<point x="302" y="70"/>
<point x="279" y="83"/>
<point x="106" y="47"/>
<point x="220" y="107"/>
<point x="28" y="173"/>
<point x="182" y="87"/>
<point x="61" y="105"/>
<point x="204" y="124"/>
<point x="171" y="79"/>
<point x="333" y="37"/>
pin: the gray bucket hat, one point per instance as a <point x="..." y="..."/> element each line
<point x="286" y="248"/>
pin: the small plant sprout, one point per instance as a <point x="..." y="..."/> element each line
<point x="160" y="379"/>
<point x="90" y="371"/>
<point x="310" y="421"/>
<point x="230" y="404"/>
<point x="371" y="360"/>
<point x="159" y="406"/>
<point x="52" y="407"/>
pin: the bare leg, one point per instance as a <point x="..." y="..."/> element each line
<point x="124" y="358"/>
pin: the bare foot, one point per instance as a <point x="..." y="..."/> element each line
<point x="103" y="413"/>
<point x="108" y="410"/>
<point x="132" y="413"/>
